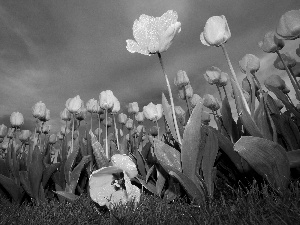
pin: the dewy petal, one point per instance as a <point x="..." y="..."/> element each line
<point x="133" y="47"/>
<point x="227" y="34"/>
<point x="125" y="163"/>
<point x="167" y="37"/>
<point x="166" y="20"/>
<point x="133" y="191"/>
<point x="202" y="39"/>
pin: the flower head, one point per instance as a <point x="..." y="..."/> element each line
<point x="92" y="106"/>
<point x="213" y="75"/>
<point x="181" y="79"/>
<point x="74" y="104"/>
<point x="153" y="112"/>
<point x="39" y="110"/>
<point x="122" y="118"/>
<point x="216" y="31"/>
<point x="65" y="115"/>
<point x="106" y="99"/>
<point x="3" y="130"/>
<point x="289" y="25"/>
<point x="133" y="108"/>
<point x="211" y="102"/>
<point x="271" y="43"/>
<point x="251" y="62"/>
<point x="275" y="81"/>
<point x="154" y="34"/>
<point x="288" y="60"/>
<point x="16" y="119"/>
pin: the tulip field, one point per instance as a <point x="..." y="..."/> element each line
<point x="243" y="169"/>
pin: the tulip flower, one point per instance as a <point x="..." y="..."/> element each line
<point x="223" y="80"/>
<point x="275" y="81"/>
<point x="106" y="99"/>
<point x="129" y="124"/>
<point x="116" y="108"/>
<point x="111" y="186"/>
<point x="271" y="43"/>
<point x="24" y="135"/>
<point x="74" y="104"/>
<point x="211" y="102"/>
<point x="3" y="130"/>
<point x="194" y="100"/>
<point x="16" y="119"/>
<point x="46" y="129"/>
<point x="133" y="108"/>
<point x="180" y="113"/>
<point x="181" y="79"/>
<point x="213" y="75"/>
<point x="92" y="106"/>
<point x="122" y="118"/>
<point x="46" y="117"/>
<point x="286" y="90"/>
<point x="139" y="117"/>
<point x="216" y="31"/>
<point x="65" y="115"/>
<point x="185" y="92"/>
<point x="52" y="139"/>
<point x="154" y="35"/>
<point x="107" y="122"/>
<point x="278" y="103"/>
<point x="251" y="62"/>
<point x="81" y="113"/>
<point x="289" y="25"/>
<point x="288" y="60"/>
<point x="153" y="112"/>
<point x="140" y="128"/>
<point x="39" y="110"/>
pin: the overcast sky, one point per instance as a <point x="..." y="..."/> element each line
<point x="52" y="50"/>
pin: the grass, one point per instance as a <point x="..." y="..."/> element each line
<point x="254" y="206"/>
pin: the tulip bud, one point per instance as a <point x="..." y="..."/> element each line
<point x="3" y="130"/>
<point x="154" y="131"/>
<point x="116" y="108"/>
<point x="251" y="62"/>
<point x="4" y="145"/>
<point x="46" y="129"/>
<point x="39" y="110"/>
<point x="181" y="79"/>
<point x="185" y="92"/>
<point x="216" y="31"/>
<point x="211" y="102"/>
<point x="153" y="112"/>
<point x="97" y="132"/>
<point x="108" y="122"/>
<point x="223" y="80"/>
<point x="106" y="99"/>
<point x="195" y="99"/>
<point x="271" y="43"/>
<point x="52" y="139"/>
<point x="278" y="103"/>
<point x="64" y="130"/>
<point x="65" y="115"/>
<point x="288" y="61"/>
<point x="179" y="111"/>
<point x="139" y="117"/>
<point x="275" y="81"/>
<point x="213" y="75"/>
<point x="92" y="106"/>
<point x="205" y="117"/>
<point x="289" y="25"/>
<point x="81" y="114"/>
<point x="24" y="135"/>
<point x="140" y="128"/>
<point x="16" y="119"/>
<point x="286" y="90"/>
<point x="46" y="117"/>
<point x="133" y="108"/>
<point x="129" y="124"/>
<point x="122" y="118"/>
<point x="74" y="104"/>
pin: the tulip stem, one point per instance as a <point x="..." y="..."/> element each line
<point x="187" y="102"/>
<point x="106" y="143"/>
<point x="91" y="121"/>
<point x="219" y="92"/>
<point x="298" y="85"/>
<point x="116" y="132"/>
<point x="157" y="128"/>
<point x="225" y="92"/>
<point x="235" y="78"/>
<point x="290" y="76"/>
<point x="171" y="99"/>
<point x="99" y="128"/>
<point x="72" y="133"/>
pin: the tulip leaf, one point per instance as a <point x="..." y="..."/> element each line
<point x="287" y="132"/>
<point x="294" y="158"/>
<point x="149" y="185"/>
<point x="71" y="159"/>
<point x="168" y="116"/>
<point x="75" y="174"/>
<point x="167" y="155"/>
<point x="173" y="190"/>
<point x="49" y="170"/>
<point x="100" y="156"/>
<point x="271" y="104"/>
<point x="3" y="168"/>
<point x="15" y="161"/>
<point x="15" y="191"/>
<point x="68" y="196"/>
<point x="35" y="172"/>
<point x="107" y="170"/>
<point x="196" y="195"/>
<point x="281" y="96"/>
<point x="149" y="172"/>
<point x="243" y="113"/>
<point x="140" y="163"/>
<point x="228" y="121"/>
<point x="25" y="183"/>
<point x="193" y="143"/>
<point x="160" y="182"/>
<point x="209" y="157"/>
<point x="267" y="158"/>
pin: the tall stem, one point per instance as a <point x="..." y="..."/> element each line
<point x="91" y="121"/>
<point x="157" y="128"/>
<point x="72" y="133"/>
<point x="235" y="78"/>
<point x="116" y="132"/>
<point x="99" y="128"/>
<point x="187" y="102"/>
<point x="171" y="99"/>
<point x="106" y="144"/>
<point x="219" y="92"/>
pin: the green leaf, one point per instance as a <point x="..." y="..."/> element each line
<point x="294" y="158"/>
<point x="160" y="182"/>
<point x="243" y="113"/>
<point x="49" y="170"/>
<point x="167" y="155"/>
<point x="100" y="156"/>
<point x="193" y="144"/>
<point x="149" y="186"/>
<point x="25" y="183"/>
<point x="15" y="191"/>
<point x="140" y="164"/>
<point x="149" y="172"/>
<point x="35" y="172"/>
<point x="208" y="161"/>
<point x="4" y="170"/>
<point x="71" y="159"/>
<point x="228" y="121"/>
<point x="168" y="115"/>
<point x="68" y="196"/>
<point x="267" y="158"/>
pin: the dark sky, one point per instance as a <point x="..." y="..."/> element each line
<point x="52" y="50"/>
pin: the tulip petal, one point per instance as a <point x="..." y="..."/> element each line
<point x="202" y="39"/>
<point x="227" y="33"/>
<point x="141" y="28"/>
<point x="166" y="20"/>
<point x="133" y="47"/>
<point x="125" y="163"/>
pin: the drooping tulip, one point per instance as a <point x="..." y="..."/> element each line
<point x="129" y="124"/>
<point x="16" y="119"/>
<point x="195" y="99"/>
<point x="181" y="79"/>
<point x="154" y="34"/>
<point x="122" y="118"/>
<point x="65" y="115"/>
<point x="211" y="102"/>
<point x="223" y="80"/>
<point x="289" y="25"/>
<point x="153" y="112"/>
<point x="3" y="130"/>
<point x="275" y="81"/>
<point x="133" y="108"/>
<point x="251" y="62"/>
<point x="106" y="99"/>
<point x="288" y="60"/>
<point x="271" y="43"/>
<point x="74" y="104"/>
<point x="212" y="75"/>
<point x="139" y="117"/>
<point x="216" y="31"/>
<point x="39" y="110"/>
<point x="185" y="92"/>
